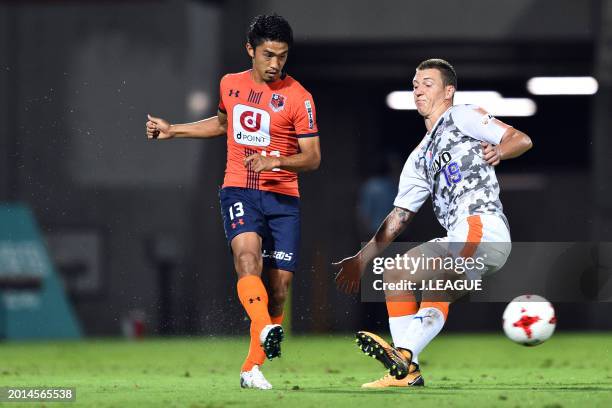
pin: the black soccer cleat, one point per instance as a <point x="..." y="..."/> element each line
<point x="271" y="337"/>
<point x="396" y="360"/>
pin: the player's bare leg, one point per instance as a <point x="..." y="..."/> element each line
<point x="246" y="248"/>
<point x="278" y="288"/>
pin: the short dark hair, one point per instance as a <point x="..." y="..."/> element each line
<point x="449" y="76"/>
<point x="269" y="28"/>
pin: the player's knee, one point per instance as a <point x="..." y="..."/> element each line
<point x="248" y="263"/>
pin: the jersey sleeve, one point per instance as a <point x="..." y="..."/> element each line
<point x="221" y="106"/>
<point x="479" y="124"/>
<point x="305" y="116"/>
<point x="413" y="189"/>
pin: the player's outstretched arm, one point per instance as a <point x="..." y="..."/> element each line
<point x="158" y="128"/>
<point x="351" y="268"/>
<point x="308" y="159"/>
<point x="513" y="144"/>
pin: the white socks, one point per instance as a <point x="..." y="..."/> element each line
<point x="399" y="330"/>
<point x="422" y="328"/>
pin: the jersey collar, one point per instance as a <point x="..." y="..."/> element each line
<point x="439" y="121"/>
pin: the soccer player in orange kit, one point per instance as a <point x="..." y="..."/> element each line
<point x="271" y="128"/>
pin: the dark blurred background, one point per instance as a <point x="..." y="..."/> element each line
<point x="134" y="226"/>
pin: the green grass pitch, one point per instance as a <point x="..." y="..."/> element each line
<point x="478" y="370"/>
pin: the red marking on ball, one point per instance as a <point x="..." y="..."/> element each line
<point x="525" y="323"/>
<point x="523" y="310"/>
<point x="553" y="320"/>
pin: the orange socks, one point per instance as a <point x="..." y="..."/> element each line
<point x="277" y="319"/>
<point x="254" y="299"/>
<point x="399" y="308"/>
<point x="256" y="354"/>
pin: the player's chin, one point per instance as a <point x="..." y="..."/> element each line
<point x="271" y="76"/>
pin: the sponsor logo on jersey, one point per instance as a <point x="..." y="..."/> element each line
<point x="308" y="106"/>
<point x="277" y="102"/>
<point x="251" y="126"/>
<point x="439" y="162"/>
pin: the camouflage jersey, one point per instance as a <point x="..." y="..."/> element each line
<point x="448" y="165"/>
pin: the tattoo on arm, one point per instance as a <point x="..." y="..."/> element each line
<point x="393" y="225"/>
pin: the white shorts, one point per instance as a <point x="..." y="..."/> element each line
<point x="483" y="237"/>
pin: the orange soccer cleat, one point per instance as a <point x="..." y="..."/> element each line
<point x="413" y="379"/>
<point x="396" y="360"/>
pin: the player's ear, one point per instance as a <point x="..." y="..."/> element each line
<point x="250" y="50"/>
<point x="450" y="92"/>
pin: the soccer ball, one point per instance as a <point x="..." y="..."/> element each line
<point x="529" y="320"/>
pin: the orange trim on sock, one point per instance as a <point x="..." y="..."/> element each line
<point x="474" y="236"/>
<point x="277" y="319"/>
<point x="398" y="308"/>
<point x="401" y="305"/>
<point x="441" y="306"/>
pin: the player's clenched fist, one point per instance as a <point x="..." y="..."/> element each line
<point x="258" y="163"/>
<point x="158" y="128"/>
<point x="348" y="278"/>
<point x="491" y="153"/>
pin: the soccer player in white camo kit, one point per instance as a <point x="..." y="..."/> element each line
<point x="454" y="164"/>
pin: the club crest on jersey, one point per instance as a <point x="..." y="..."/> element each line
<point x="277" y="102"/>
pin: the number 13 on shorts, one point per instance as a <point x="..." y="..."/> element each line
<point x="236" y="210"/>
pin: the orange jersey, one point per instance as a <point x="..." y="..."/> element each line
<point x="267" y="119"/>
